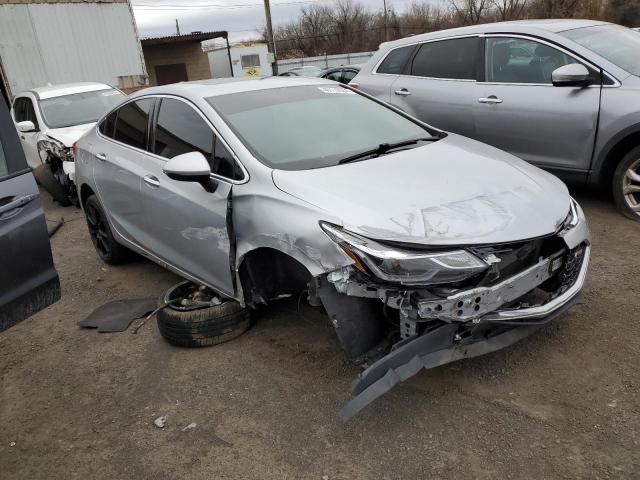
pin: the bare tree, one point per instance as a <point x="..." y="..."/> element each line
<point x="469" y="12"/>
<point x="509" y="9"/>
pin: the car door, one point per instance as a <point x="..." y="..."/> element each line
<point x="23" y="110"/>
<point x="440" y="84"/>
<point x="378" y="83"/>
<point x="516" y="108"/>
<point x="29" y="281"/>
<point x="188" y="222"/>
<point x="120" y="161"/>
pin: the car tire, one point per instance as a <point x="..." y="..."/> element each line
<point x="626" y="202"/>
<point x="109" y="251"/>
<point x="202" y="327"/>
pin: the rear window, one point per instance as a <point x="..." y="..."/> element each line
<point x="396" y="60"/>
<point x="131" y="123"/>
<point x="298" y="128"/>
<point x="454" y="59"/>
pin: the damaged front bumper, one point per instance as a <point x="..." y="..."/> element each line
<point x="439" y="327"/>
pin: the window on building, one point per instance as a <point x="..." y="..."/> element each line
<point x="248" y="61"/>
<point x="451" y="59"/>
<point x="131" y="123"/>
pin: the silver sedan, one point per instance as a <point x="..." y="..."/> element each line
<point x="423" y="246"/>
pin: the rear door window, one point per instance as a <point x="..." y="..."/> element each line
<point x="181" y="129"/>
<point x="131" y="123"/>
<point x="454" y="59"/>
<point x="107" y="126"/>
<point x="395" y="61"/>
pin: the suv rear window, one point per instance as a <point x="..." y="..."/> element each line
<point x="454" y="59"/>
<point x="396" y="60"/>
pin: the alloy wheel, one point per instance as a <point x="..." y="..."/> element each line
<point x="631" y="187"/>
<point x="98" y="230"/>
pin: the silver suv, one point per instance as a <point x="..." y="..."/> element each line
<point x="561" y="94"/>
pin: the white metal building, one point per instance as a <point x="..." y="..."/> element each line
<point x="61" y="41"/>
<point x="247" y="60"/>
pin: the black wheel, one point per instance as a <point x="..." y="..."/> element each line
<point x="626" y="185"/>
<point x="193" y="325"/>
<point x="108" y="249"/>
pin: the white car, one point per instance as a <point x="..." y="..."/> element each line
<point x="50" y="120"/>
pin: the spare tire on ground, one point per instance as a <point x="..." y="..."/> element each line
<point x="194" y="318"/>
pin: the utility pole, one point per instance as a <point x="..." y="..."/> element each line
<point x="386" y="22"/>
<point x="177" y="27"/>
<point x="271" y="41"/>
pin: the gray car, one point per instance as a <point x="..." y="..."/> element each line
<point x="424" y="247"/>
<point x="561" y="94"/>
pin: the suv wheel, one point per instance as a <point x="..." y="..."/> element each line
<point x="626" y="185"/>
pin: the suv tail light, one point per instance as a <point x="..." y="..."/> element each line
<point x="355" y="85"/>
<point x="74" y="149"/>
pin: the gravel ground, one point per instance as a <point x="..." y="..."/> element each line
<point x="564" y="403"/>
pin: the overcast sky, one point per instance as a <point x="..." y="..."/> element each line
<point x="241" y="18"/>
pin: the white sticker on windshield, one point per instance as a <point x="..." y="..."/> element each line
<point x="338" y="90"/>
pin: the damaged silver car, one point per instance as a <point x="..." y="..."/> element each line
<point x="424" y="247"/>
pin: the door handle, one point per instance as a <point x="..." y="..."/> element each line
<point x="101" y="156"/>
<point x="15" y="204"/>
<point x="491" y="99"/>
<point x="403" y="92"/>
<point x="151" y="181"/>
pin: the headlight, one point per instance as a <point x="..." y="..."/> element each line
<point x="404" y="266"/>
<point x="573" y="217"/>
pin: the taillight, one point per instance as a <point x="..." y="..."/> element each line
<point x="354" y="85"/>
<point x="74" y="149"/>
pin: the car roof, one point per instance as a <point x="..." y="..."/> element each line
<point x="516" y="26"/>
<point x="224" y="86"/>
<point x="59" y="90"/>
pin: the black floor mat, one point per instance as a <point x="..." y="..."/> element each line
<point x="117" y="316"/>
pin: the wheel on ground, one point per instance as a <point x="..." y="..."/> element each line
<point x="626" y="185"/>
<point x="192" y="322"/>
<point x="108" y="249"/>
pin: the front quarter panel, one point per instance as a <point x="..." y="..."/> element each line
<point x="267" y="217"/>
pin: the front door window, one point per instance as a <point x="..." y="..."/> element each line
<point x="518" y="60"/>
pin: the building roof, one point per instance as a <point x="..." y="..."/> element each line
<point x="51" y="91"/>
<point x="187" y="37"/>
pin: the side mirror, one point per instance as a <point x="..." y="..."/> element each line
<point x="572" y="75"/>
<point x="26" y="127"/>
<point x="188" y="167"/>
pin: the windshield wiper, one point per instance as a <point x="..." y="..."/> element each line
<point x="385" y="148"/>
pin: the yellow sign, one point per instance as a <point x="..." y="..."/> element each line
<point x="252" y="72"/>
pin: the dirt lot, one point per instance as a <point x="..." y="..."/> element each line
<point x="78" y="404"/>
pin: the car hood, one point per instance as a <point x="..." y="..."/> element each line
<point x="69" y="135"/>
<point x="455" y="191"/>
